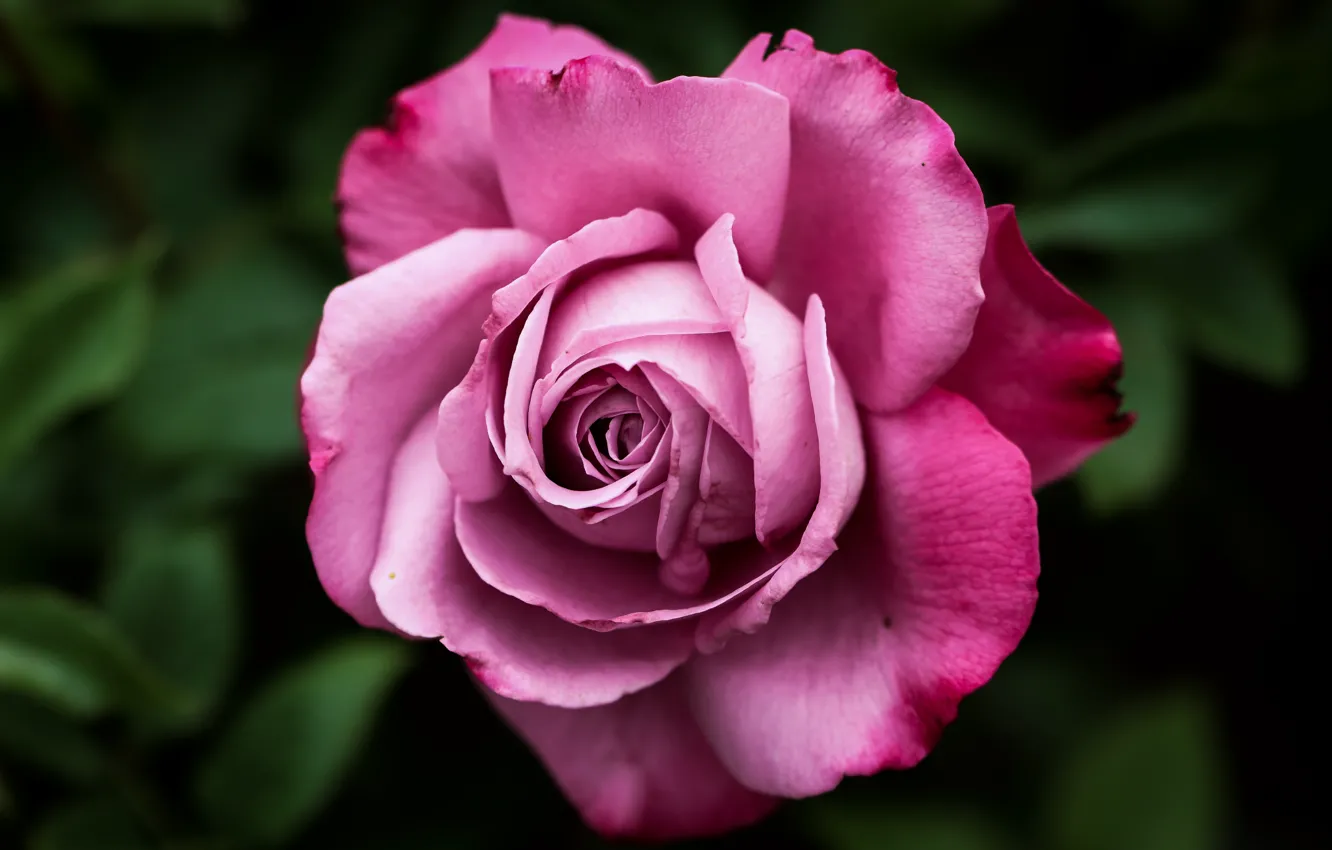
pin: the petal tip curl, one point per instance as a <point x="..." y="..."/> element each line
<point x="1043" y="364"/>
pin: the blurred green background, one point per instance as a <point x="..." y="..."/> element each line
<point x="171" y="675"/>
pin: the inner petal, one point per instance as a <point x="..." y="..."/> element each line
<point x="611" y="440"/>
<point x="625" y="433"/>
<point x="602" y="431"/>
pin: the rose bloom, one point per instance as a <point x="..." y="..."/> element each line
<point x="701" y="418"/>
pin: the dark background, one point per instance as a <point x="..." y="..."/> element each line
<point x="171" y="674"/>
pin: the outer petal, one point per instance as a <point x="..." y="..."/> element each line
<point x="425" y="587"/>
<point x="865" y="661"/>
<point x="432" y="170"/>
<point x="391" y="344"/>
<point x="638" y="768"/>
<point x="770" y="343"/>
<point x="841" y="475"/>
<point x="883" y="219"/>
<point x="1043" y="363"/>
<point x="597" y="141"/>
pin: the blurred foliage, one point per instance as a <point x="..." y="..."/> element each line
<point x="171" y="675"/>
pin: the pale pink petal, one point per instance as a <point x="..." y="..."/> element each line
<point x="432" y="170"/>
<point x="425" y="587"/>
<point x="841" y="455"/>
<point x="627" y="521"/>
<point x="690" y="428"/>
<point x="463" y="446"/>
<point x="392" y="342"/>
<point x="565" y="461"/>
<point x="596" y="141"/>
<point x="864" y="663"/>
<point x="518" y="551"/>
<point x="566" y="440"/>
<point x="638" y="768"/>
<point x="726" y="490"/>
<point x="768" y="339"/>
<point x="631" y="527"/>
<point x="705" y="366"/>
<point x="632" y="301"/>
<point x="639" y="231"/>
<point x="468" y="418"/>
<point x="884" y="220"/>
<point x="1043" y="363"/>
<point x="522" y="416"/>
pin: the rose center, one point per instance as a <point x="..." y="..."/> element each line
<point x="608" y="425"/>
<point x="611" y="440"/>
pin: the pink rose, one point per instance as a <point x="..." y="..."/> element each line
<point x="701" y="417"/>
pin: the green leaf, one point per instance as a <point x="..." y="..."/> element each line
<point x="24" y="670"/>
<point x="1239" y="310"/>
<point x="70" y="340"/>
<point x="1139" y="465"/>
<point x="290" y="747"/>
<point x="72" y="657"/>
<point x="847" y="826"/>
<point x="1149" y="780"/>
<point x="35" y="734"/>
<point x="220" y="379"/>
<point x="93" y="824"/>
<point x="1146" y="212"/>
<point x="173" y="592"/>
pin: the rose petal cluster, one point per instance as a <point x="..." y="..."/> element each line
<point x="701" y="417"/>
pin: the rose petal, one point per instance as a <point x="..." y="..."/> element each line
<point x="689" y="442"/>
<point x="841" y="456"/>
<point x="391" y="344"/>
<point x="596" y="140"/>
<point x="706" y="366"/>
<point x="522" y="417"/>
<point x="638" y="768"/>
<point x="566" y="435"/>
<point x="1043" y="363"/>
<point x="424" y="585"/>
<point x="432" y="170"/>
<point x="884" y="220"/>
<point x="768" y="338"/>
<point x="630" y="527"/>
<point x="466" y="421"/>
<point x="633" y="301"/>
<point x="726" y="490"/>
<point x="865" y="661"/>
<point x="704" y="369"/>
<point x="565" y="461"/>
<point x="515" y="550"/>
